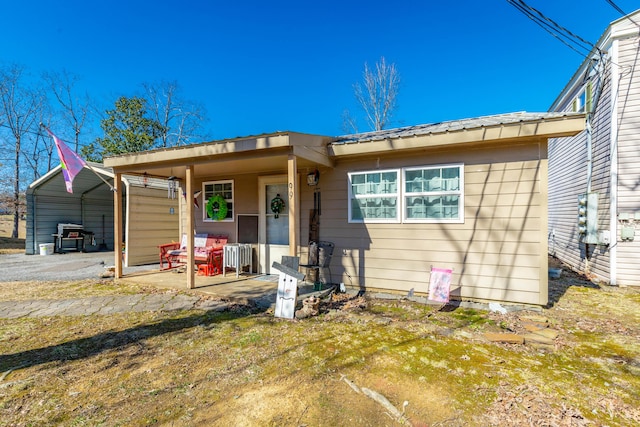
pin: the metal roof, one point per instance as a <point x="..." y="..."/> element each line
<point x="450" y="126"/>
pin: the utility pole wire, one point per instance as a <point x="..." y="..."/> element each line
<point x="573" y="41"/>
<point x="622" y="12"/>
<point x="616" y="7"/>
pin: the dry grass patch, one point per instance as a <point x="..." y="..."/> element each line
<point x="10" y="245"/>
<point x="246" y="368"/>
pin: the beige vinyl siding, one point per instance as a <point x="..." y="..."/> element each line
<point x="496" y="253"/>
<point x="149" y="223"/>
<point x="245" y="188"/>
<point x="628" y="266"/>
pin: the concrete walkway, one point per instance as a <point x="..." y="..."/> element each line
<point x="213" y="292"/>
<point x="107" y="305"/>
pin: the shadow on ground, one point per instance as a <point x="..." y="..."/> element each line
<point x="87" y="347"/>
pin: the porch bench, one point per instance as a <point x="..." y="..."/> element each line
<point x="207" y="250"/>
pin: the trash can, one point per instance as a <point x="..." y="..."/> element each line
<point x="46" y="248"/>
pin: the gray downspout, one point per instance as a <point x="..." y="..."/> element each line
<point x="613" y="150"/>
<point x="599" y="78"/>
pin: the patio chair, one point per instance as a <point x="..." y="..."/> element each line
<point x="319" y="260"/>
<point x="293" y="262"/>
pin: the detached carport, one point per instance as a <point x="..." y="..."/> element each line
<point x="92" y="205"/>
<point x="245" y="161"/>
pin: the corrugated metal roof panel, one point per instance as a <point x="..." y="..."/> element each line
<point x="449" y="126"/>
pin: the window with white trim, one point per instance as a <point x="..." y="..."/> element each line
<point x="423" y="194"/>
<point x="433" y="194"/>
<point x="222" y="188"/>
<point x="373" y="196"/>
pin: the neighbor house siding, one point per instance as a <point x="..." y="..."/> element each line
<point x="496" y="254"/>
<point x="629" y="157"/>
<point x="568" y="175"/>
<point x="600" y="259"/>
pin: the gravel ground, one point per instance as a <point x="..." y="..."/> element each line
<point x="67" y="266"/>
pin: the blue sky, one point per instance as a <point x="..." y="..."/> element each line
<point x="261" y="67"/>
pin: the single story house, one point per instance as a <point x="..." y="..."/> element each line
<point x="143" y="200"/>
<point x="470" y="195"/>
<point x="594" y="204"/>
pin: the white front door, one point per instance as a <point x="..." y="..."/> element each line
<point x="274" y="228"/>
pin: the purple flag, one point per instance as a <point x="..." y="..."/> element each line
<point x="71" y="163"/>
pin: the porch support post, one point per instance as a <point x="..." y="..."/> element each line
<point x="117" y="224"/>
<point x="292" y="203"/>
<point x="190" y="223"/>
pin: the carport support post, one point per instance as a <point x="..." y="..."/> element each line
<point x="191" y="225"/>
<point x="117" y="224"/>
<point x="292" y="204"/>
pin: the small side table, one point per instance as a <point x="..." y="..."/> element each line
<point x="237" y="255"/>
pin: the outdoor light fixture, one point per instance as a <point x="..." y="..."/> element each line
<point x="145" y="180"/>
<point x="172" y="187"/>
<point x="313" y="178"/>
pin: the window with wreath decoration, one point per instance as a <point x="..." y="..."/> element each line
<point x="217" y="201"/>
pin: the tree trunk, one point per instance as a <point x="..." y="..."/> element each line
<point x="16" y="192"/>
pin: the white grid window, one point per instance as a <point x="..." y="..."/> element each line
<point x="374" y="196"/>
<point x="222" y="188"/>
<point x="433" y="194"/>
<point x="424" y="194"/>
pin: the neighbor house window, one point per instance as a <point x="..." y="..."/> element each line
<point x="413" y="194"/>
<point x="583" y="102"/>
<point x="374" y="196"/>
<point x="433" y="194"/>
<point x="210" y="190"/>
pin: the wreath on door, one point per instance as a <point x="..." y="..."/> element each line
<point x="217" y="207"/>
<point x="277" y="205"/>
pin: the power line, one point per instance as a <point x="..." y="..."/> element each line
<point x="622" y="12"/>
<point x="556" y="25"/>
<point x="576" y="43"/>
<point x="615" y="6"/>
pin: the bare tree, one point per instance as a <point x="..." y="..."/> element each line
<point x="378" y="94"/>
<point x="19" y="106"/>
<point x="40" y="158"/>
<point x="75" y="109"/>
<point x="349" y="123"/>
<point x="180" y="119"/>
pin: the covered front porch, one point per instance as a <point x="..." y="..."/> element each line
<point x="248" y="173"/>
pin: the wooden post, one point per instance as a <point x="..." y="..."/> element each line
<point x="117" y="224"/>
<point x="190" y="224"/>
<point x="292" y="204"/>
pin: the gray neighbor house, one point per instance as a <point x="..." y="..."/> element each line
<point x="594" y="177"/>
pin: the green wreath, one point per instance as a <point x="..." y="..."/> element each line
<point x="277" y="205"/>
<point x="217" y="207"/>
